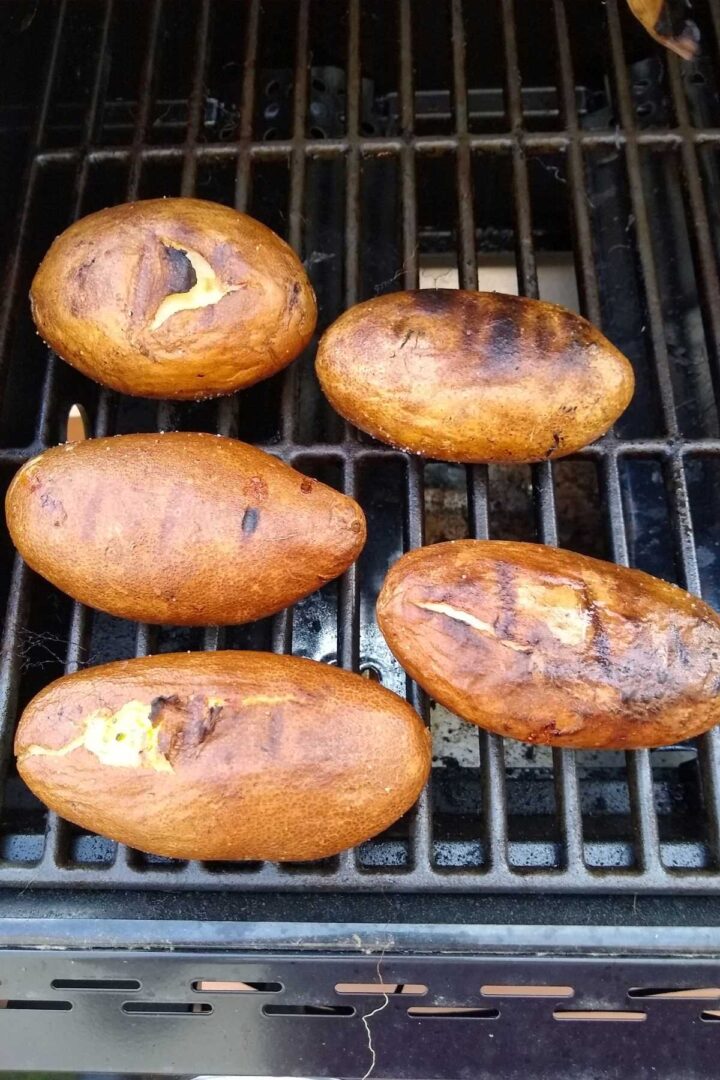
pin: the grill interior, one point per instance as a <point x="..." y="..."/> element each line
<point x="393" y="144"/>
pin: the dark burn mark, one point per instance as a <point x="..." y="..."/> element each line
<point x="600" y="638"/>
<point x="186" y="724"/>
<point x="181" y="276"/>
<point x="200" y="723"/>
<point x="504" y="338"/>
<point x="679" y="647"/>
<point x="436" y="301"/>
<point x="294" y="299"/>
<point x="306" y="486"/>
<point x="158" y="704"/>
<point x="555" y="446"/>
<point x="250" y="520"/>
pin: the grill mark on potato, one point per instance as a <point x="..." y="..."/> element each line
<point x="276" y="730"/>
<point x="435" y="301"/>
<point x="504" y="337"/>
<point x="470" y="620"/>
<point x="679" y="646"/>
<point x="505" y="583"/>
<point x="599" y="638"/>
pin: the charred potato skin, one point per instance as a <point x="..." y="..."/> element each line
<point x="263" y="756"/>
<point x="101" y="284"/>
<point x="547" y="646"/>
<point x="474" y="377"/>
<point x="183" y="528"/>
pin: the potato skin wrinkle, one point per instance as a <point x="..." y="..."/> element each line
<point x="182" y="528"/>
<point x="226" y="755"/>
<point x="473" y="377"/>
<point x="548" y="646"/>
<point x="173" y="298"/>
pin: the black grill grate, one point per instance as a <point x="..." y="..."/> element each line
<point x="554" y="131"/>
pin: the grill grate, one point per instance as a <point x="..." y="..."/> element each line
<point x="367" y="196"/>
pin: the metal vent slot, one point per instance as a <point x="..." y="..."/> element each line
<point x="703" y="993"/>
<point x="308" y="1010"/>
<point x="601" y="1015"/>
<point x="490" y="990"/>
<point x="210" y="986"/>
<point x="167" y="1008"/>
<point x="95" y="984"/>
<point x="39" y="1006"/>
<point x="452" y="1012"/>
<point x="381" y="988"/>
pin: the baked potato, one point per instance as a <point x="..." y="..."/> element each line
<point x="182" y="527"/>
<point x="548" y="646"/>
<point x="472" y="376"/>
<point x="225" y="755"/>
<point x="173" y="298"/>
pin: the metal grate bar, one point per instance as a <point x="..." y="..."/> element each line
<point x="282" y="623"/>
<point x="57" y="829"/>
<point x="48" y="404"/>
<point x="10" y="284"/>
<point x="348" y="608"/>
<point x="197" y="100"/>
<point x="380" y="146"/>
<point x="467" y="265"/>
<point x="567" y="789"/>
<point x="714" y="8"/>
<point x="144" y="100"/>
<point x="709" y="286"/>
<point x="584" y="262"/>
<point x="606" y="448"/>
<point x="242" y="178"/>
<point x="640" y="780"/>
<point x="642" y="224"/>
<point x="421" y="825"/>
<point x="564" y="770"/>
<point x="491" y="753"/>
